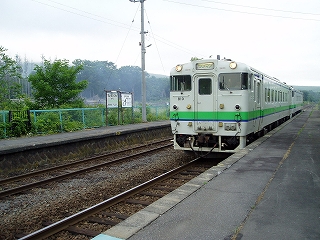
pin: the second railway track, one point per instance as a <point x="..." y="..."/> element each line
<point x="21" y="183"/>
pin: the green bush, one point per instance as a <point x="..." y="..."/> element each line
<point x="157" y="113"/>
<point x="48" y="122"/>
<point x="94" y="117"/>
<point x="18" y="127"/>
<point x="2" y="130"/>
<point x="112" y="117"/>
<point x="69" y="126"/>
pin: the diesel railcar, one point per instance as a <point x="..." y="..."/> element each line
<point x="222" y="105"/>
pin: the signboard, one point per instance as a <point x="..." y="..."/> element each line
<point x="205" y="66"/>
<point x="112" y="99"/>
<point x="126" y="99"/>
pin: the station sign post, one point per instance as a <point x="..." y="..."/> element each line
<point x="118" y="100"/>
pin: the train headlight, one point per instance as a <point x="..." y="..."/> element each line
<point x="237" y="107"/>
<point x="175" y="107"/>
<point x="189" y="106"/>
<point x="233" y="65"/>
<point x="178" y="68"/>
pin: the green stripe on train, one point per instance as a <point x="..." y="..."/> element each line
<point x="228" y="116"/>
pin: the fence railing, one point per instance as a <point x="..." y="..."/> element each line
<point x="67" y="120"/>
<point x="4" y="116"/>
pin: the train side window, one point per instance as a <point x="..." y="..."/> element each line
<point x="279" y="96"/>
<point x="254" y="91"/>
<point x="180" y="83"/>
<point x="258" y="93"/>
<point x="268" y="94"/>
<point x="245" y="84"/>
<point x="205" y="86"/>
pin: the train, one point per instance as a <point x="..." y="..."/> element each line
<point x="221" y="106"/>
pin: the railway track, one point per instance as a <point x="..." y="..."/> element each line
<point x="22" y="183"/>
<point x="117" y="208"/>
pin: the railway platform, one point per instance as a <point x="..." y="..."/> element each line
<point x="269" y="190"/>
<point x="26" y="153"/>
<point x="27" y="143"/>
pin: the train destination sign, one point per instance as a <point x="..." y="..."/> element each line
<point x="205" y="66"/>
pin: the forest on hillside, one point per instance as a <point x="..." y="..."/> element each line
<point x="104" y="75"/>
<point x="310" y="93"/>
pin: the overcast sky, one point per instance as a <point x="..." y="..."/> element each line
<point x="278" y="37"/>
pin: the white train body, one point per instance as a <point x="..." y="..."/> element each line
<point x="221" y="105"/>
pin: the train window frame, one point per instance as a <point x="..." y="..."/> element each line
<point x="279" y="96"/>
<point x="205" y="86"/>
<point x="180" y="83"/>
<point x="236" y="81"/>
<point x="267" y="95"/>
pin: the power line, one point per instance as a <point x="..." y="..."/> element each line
<point x="124" y="41"/>
<point x="115" y="23"/>
<point x="174" y="45"/>
<point x="243" y="12"/>
<point x="155" y="42"/>
<point x="260" y="8"/>
<point x="88" y="14"/>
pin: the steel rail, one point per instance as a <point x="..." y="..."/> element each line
<point x="77" y="172"/>
<point x="71" y="220"/>
<point x="51" y="169"/>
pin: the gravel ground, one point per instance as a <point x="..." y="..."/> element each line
<point x="25" y="212"/>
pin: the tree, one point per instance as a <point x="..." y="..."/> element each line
<point x="130" y="80"/>
<point x="158" y="89"/>
<point x="10" y="75"/>
<point x="101" y="75"/>
<point x="311" y="96"/>
<point x="104" y="75"/>
<point x="54" y="84"/>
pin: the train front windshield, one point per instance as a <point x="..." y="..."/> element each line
<point x="180" y="83"/>
<point x="234" y="81"/>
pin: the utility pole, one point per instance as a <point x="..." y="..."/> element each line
<point x="143" y="63"/>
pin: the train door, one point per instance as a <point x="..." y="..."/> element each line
<point x="291" y="102"/>
<point x="257" y="101"/>
<point x="205" y="104"/>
